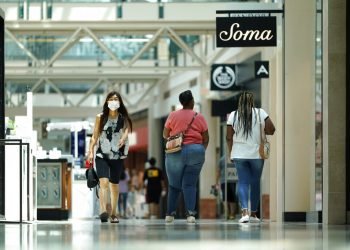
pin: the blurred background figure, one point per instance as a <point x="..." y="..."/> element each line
<point x="231" y="180"/>
<point x="135" y="180"/>
<point x="137" y="197"/>
<point x="153" y="180"/>
<point x="123" y="193"/>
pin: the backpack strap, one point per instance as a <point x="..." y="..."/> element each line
<point x="98" y="185"/>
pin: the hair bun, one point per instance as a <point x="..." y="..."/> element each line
<point x="185" y="97"/>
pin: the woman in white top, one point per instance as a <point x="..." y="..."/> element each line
<point x="243" y="139"/>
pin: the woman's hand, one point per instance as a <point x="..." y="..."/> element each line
<point x="91" y="156"/>
<point x="121" y="142"/>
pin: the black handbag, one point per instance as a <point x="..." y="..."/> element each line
<point x="92" y="180"/>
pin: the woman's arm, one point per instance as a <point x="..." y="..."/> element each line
<point x="124" y="135"/>
<point x="217" y="177"/>
<point x="94" y="138"/>
<point x="205" y="139"/>
<point x="229" y="138"/>
<point x="166" y="133"/>
<point x="269" y="127"/>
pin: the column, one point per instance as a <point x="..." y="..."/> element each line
<point x="334" y="105"/>
<point x="299" y="109"/>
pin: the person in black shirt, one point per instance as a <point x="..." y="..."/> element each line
<point x="155" y="187"/>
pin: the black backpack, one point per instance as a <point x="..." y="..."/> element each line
<point x="92" y="179"/>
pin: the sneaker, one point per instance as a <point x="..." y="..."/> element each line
<point x="191" y="219"/>
<point x="244" y="219"/>
<point x="169" y="219"/>
<point x="254" y="219"/>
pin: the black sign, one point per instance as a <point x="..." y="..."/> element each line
<point x="262" y="69"/>
<point x="81" y="143"/>
<point x="246" y="31"/>
<point x="223" y="77"/>
<point x="223" y="107"/>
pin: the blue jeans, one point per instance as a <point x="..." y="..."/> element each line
<point x="249" y="173"/>
<point x="183" y="169"/>
<point x="122" y="202"/>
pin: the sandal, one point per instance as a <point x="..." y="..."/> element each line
<point x="114" y="219"/>
<point x="104" y="217"/>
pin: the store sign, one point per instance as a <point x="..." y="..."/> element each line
<point x="262" y="69"/>
<point x="223" y="77"/>
<point x="246" y="31"/>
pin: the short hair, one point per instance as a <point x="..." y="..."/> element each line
<point x="152" y="161"/>
<point x="185" y="97"/>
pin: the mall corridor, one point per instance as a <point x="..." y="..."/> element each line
<point x="170" y="97"/>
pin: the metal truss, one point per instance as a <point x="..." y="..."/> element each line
<point x="54" y="70"/>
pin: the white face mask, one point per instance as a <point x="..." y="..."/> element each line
<point x="113" y="105"/>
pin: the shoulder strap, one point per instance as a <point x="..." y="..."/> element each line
<point x="189" y="125"/>
<point x="96" y="190"/>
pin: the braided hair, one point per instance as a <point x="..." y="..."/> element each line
<point x="244" y="112"/>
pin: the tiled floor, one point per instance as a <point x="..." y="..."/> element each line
<point x="155" y="235"/>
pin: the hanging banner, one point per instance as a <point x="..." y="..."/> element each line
<point x="246" y="31"/>
<point x="223" y="77"/>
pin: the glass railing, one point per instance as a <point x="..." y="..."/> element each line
<point x="123" y="47"/>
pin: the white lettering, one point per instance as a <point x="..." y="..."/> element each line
<point x="225" y="33"/>
<point x="262" y="69"/>
<point x="249" y="34"/>
<point x="266" y="35"/>
<point x="236" y="34"/>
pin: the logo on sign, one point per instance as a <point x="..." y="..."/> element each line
<point x="246" y="31"/>
<point x="261" y="69"/>
<point x="223" y="77"/>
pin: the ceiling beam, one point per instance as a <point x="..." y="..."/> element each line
<point x="68" y="44"/>
<point x="88" y="73"/>
<point x="55" y="112"/>
<point x="146" y="47"/>
<point x="103" y="46"/>
<point x="194" y="27"/>
<point x="174" y="37"/>
<point x="59" y="91"/>
<point x="147" y="91"/>
<point x="22" y="47"/>
<point x="87" y="94"/>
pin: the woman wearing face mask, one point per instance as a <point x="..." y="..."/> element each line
<point x="111" y="138"/>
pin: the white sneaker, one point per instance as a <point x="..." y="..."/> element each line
<point x="191" y="219"/>
<point x="254" y="219"/>
<point x="169" y="219"/>
<point x="244" y="219"/>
